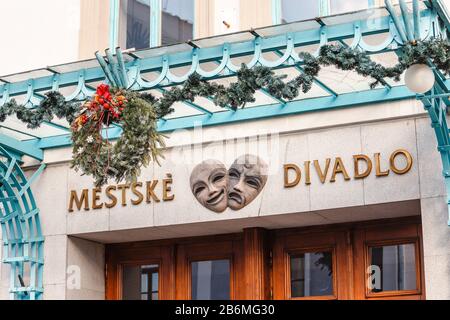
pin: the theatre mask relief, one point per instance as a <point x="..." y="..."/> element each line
<point x="217" y="188"/>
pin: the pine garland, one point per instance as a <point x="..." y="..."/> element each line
<point x="344" y="58"/>
<point x="140" y="143"/>
<point x="54" y="104"/>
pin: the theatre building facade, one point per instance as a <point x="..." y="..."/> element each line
<point x="338" y="194"/>
<point x="344" y="209"/>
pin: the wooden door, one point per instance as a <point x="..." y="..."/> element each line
<point x="311" y="265"/>
<point x="122" y="259"/>
<point x="388" y="261"/>
<point x="371" y="260"/>
<point x="225" y="254"/>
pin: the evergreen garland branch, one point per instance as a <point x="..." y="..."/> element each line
<point x="249" y="81"/>
<point x="54" y="104"/>
<point x="141" y="143"/>
<point x="349" y="59"/>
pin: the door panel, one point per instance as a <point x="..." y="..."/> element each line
<point x="388" y="262"/>
<point x="321" y="271"/>
<point x="377" y="260"/>
<point x="204" y="267"/>
<point x="140" y="255"/>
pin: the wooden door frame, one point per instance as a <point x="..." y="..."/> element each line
<point x="288" y="242"/>
<point x="173" y="279"/>
<point x="402" y="231"/>
<point x="187" y="253"/>
<point x="353" y="239"/>
<point x="119" y="255"/>
<point x="258" y="255"/>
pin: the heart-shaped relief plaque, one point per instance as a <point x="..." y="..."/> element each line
<point x="217" y="188"/>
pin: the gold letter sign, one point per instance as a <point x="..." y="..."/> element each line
<point x="400" y="162"/>
<point x="134" y="193"/>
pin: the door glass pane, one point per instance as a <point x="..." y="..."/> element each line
<point x="137" y="280"/>
<point x="154" y="281"/>
<point x="294" y="10"/>
<point x="134" y="24"/>
<point x="177" y="21"/>
<point x="144" y="282"/>
<point x="311" y="274"/>
<point x="393" y="268"/>
<point x="342" y="6"/>
<point x="210" y="280"/>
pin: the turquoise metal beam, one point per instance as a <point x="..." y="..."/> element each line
<point x="319" y="83"/>
<point x="122" y="70"/>
<point x="406" y="20"/>
<point x="228" y="107"/>
<point x="433" y="96"/>
<point x="292" y="107"/>
<point x="105" y="68"/>
<point x="113" y="66"/>
<point x="23" y="241"/>
<point x="21" y="132"/>
<point x="398" y="24"/>
<point x="21" y="148"/>
<point x="316" y="81"/>
<point x="267" y="93"/>
<point x="57" y="126"/>
<point x="184" y="58"/>
<point x="416" y="19"/>
<point x="279" y="100"/>
<point x="443" y="12"/>
<point x="191" y="104"/>
<point x="35" y="175"/>
<point x="260" y="112"/>
<point x="218" y="53"/>
<point x="197" y="107"/>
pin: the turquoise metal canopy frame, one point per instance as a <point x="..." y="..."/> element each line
<point x="23" y="242"/>
<point x="129" y="68"/>
<point x="214" y="59"/>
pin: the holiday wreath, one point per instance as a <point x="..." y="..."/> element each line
<point x="137" y="114"/>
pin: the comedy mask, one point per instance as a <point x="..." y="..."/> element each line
<point x="209" y="185"/>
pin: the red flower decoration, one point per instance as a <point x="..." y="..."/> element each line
<point x="103" y="91"/>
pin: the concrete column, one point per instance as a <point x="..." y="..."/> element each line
<point x="86" y="270"/>
<point x="55" y="262"/>
<point x="436" y="242"/>
<point x="434" y="211"/>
